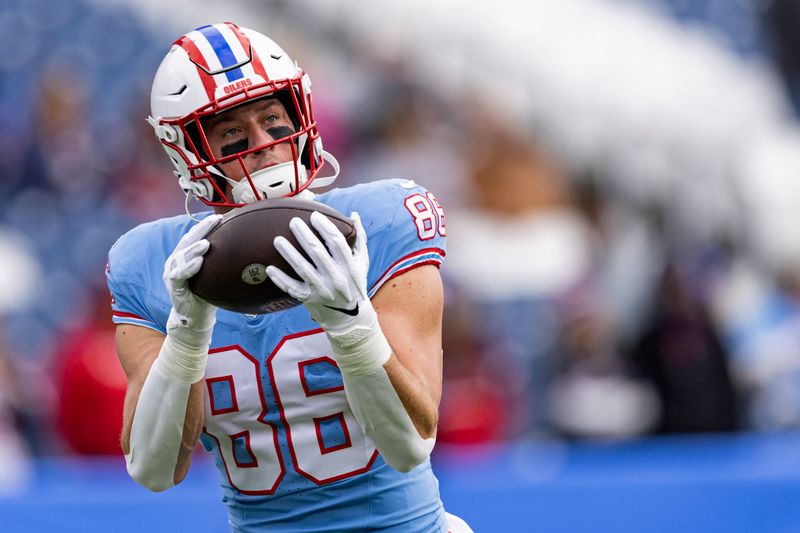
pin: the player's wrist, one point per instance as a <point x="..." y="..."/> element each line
<point x="180" y="361"/>
<point x="337" y="318"/>
<point x="359" y="344"/>
<point x="194" y="331"/>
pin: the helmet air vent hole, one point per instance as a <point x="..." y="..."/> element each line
<point x="179" y="91"/>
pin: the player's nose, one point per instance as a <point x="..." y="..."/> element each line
<point x="258" y="135"/>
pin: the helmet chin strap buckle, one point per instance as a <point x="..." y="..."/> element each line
<point x="164" y="132"/>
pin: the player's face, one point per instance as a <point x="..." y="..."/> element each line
<point x="248" y="126"/>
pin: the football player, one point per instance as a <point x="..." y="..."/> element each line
<point x="321" y="417"/>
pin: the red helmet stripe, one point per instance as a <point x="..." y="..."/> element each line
<point x="258" y="66"/>
<point x="199" y="61"/>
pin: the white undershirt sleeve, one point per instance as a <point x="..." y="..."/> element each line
<point x="157" y="428"/>
<point x="361" y="353"/>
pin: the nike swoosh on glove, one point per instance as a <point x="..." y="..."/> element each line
<point x="191" y="319"/>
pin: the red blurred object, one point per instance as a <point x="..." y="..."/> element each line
<point x="470" y="413"/>
<point x="91" y="391"/>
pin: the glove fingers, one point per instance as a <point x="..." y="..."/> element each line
<point x="200" y="230"/>
<point x="359" y="258"/>
<point x="296" y="289"/>
<point x="209" y="223"/>
<point x="301" y="266"/>
<point x="193" y="318"/>
<point x="333" y="237"/>
<point x="196" y="250"/>
<point x="192" y="267"/>
<point x="186" y="263"/>
<point x="360" y="248"/>
<point x="313" y="246"/>
<point x="340" y="258"/>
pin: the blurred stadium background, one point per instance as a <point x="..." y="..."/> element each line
<point x="622" y="185"/>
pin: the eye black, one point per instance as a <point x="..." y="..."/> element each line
<point x="235" y="147"/>
<point x="278" y="132"/>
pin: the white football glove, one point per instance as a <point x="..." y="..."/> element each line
<point x="334" y="286"/>
<point x="334" y="290"/>
<point x="191" y="319"/>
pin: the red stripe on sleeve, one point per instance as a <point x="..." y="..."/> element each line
<point x="127" y="315"/>
<point x="437" y="264"/>
<point x="411" y="256"/>
<point x="388" y="274"/>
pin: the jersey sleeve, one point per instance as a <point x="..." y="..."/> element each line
<point x="410" y="232"/>
<point x="135" y="291"/>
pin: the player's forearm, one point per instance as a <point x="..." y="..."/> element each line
<point x="385" y="420"/>
<point x="414" y="394"/>
<point x="192" y="426"/>
<point x="363" y="355"/>
<point x="168" y="416"/>
<point x="169" y="410"/>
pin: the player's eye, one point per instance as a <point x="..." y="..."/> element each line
<point x="227" y="133"/>
<point x="271" y="118"/>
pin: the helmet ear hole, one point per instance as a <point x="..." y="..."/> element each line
<point x="169" y="134"/>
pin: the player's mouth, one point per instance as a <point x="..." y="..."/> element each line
<point x="261" y="165"/>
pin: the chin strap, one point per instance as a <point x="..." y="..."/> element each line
<point x="189" y="196"/>
<point x="327" y="180"/>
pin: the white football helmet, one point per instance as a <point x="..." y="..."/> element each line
<point x="212" y="69"/>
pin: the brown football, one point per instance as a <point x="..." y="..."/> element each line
<point x="233" y="275"/>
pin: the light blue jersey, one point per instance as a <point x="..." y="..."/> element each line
<point x="290" y="453"/>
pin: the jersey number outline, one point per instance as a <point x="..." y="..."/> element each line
<point x="428" y="215"/>
<point x="249" y="444"/>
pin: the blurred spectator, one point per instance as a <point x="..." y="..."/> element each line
<point x="596" y="393"/>
<point x="474" y="407"/>
<point x="411" y="134"/>
<point x="21" y="276"/>
<point x="759" y="312"/>
<point x="62" y="157"/>
<point x="139" y="181"/>
<point x="782" y="19"/>
<point x="519" y="248"/>
<point x="682" y="353"/>
<point x="15" y="457"/>
<point x="89" y="379"/>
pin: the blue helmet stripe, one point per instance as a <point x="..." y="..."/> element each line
<point x="223" y="51"/>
